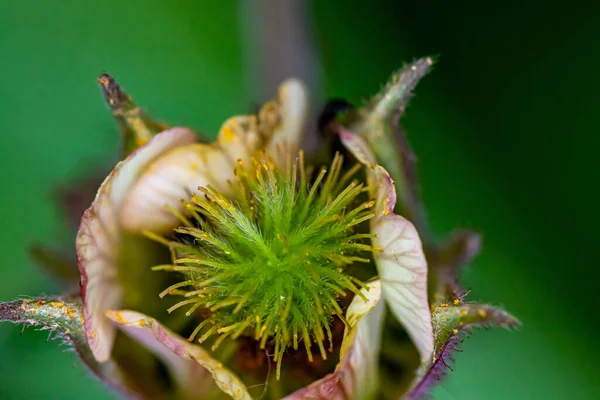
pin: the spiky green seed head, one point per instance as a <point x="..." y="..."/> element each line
<point x="270" y="261"/>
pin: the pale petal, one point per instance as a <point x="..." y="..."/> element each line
<point x="177" y="175"/>
<point x="400" y="260"/>
<point x="197" y="373"/>
<point x="355" y="377"/>
<point x="171" y="179"/>
<point x="358" y="147"/>
<point x="62" y="317"/>
<point x="239" y="137"/>
<point x="99" y="240"/>
<point x="290" y="109"/>
<point x="403" y="271"/>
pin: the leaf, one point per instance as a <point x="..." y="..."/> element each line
<point x="449" y="320"/>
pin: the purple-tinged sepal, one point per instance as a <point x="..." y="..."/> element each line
<point x="62" y="317"/>
<point x="378" y="124"/>
<point x="451" y="321"/>
<point x="136" y="126"/>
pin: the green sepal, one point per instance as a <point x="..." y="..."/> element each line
<point x="136" y="126"/>
<point x="449" y="321"/>
<point x="378" y="124"/>
<point x="61" y="315"/>
<point x="128" y="372"/>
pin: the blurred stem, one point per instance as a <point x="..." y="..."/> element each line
<point x="406" y="180"/>
<point x="278" y="44"/>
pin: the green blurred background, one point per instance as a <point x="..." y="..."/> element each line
<point x="506" y="131"/>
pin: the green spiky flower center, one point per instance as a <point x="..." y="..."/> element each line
<point x="270" y="260"/>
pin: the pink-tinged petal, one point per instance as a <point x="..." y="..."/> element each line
<point x="171" y="179"/>
<point x="177" y="175"/>
<point x="195" y="371"/>
<point x="399" y="257"/>
<point x="355" y="377"/>
<point x="239" y="137"/>
<point x="403" y="271"/>
<point x="402" y="266"/>
<point x="358" y="147"/>
<point x="385" y="192"/>
<point x="99" y="240"/>
<point x="291" y="109"/>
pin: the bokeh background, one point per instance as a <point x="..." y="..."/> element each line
<point x="506" y="130"/>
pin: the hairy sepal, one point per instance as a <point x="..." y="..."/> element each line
<point x="450" y="321"/>
<point x="63" y="318"/>
<point x="378" y="125"/>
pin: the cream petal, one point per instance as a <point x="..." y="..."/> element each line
<point x="239" y="137"/>
<point x="98" y="240"/>
<point x="169" y="180"/>
<point x="197" y="373"/>
<point x="355" y="377"/>
<point x="292" y="107"/>
<point x="400" y="262"/>
<point x="177" y="175"/>
<point x="403" y="272"/>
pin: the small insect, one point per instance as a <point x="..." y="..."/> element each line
<point x="334" y="109"/>
<point x="335" y="112"/>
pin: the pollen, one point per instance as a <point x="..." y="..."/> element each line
<point x="228" y="133"/>
<point x="271" y="261"/>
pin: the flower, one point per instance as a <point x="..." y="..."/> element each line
<point x="298" y="282"/>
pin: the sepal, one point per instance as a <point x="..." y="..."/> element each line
<point x="450" y="320"/>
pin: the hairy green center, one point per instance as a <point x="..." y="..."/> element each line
<point x="270" y="260"/>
